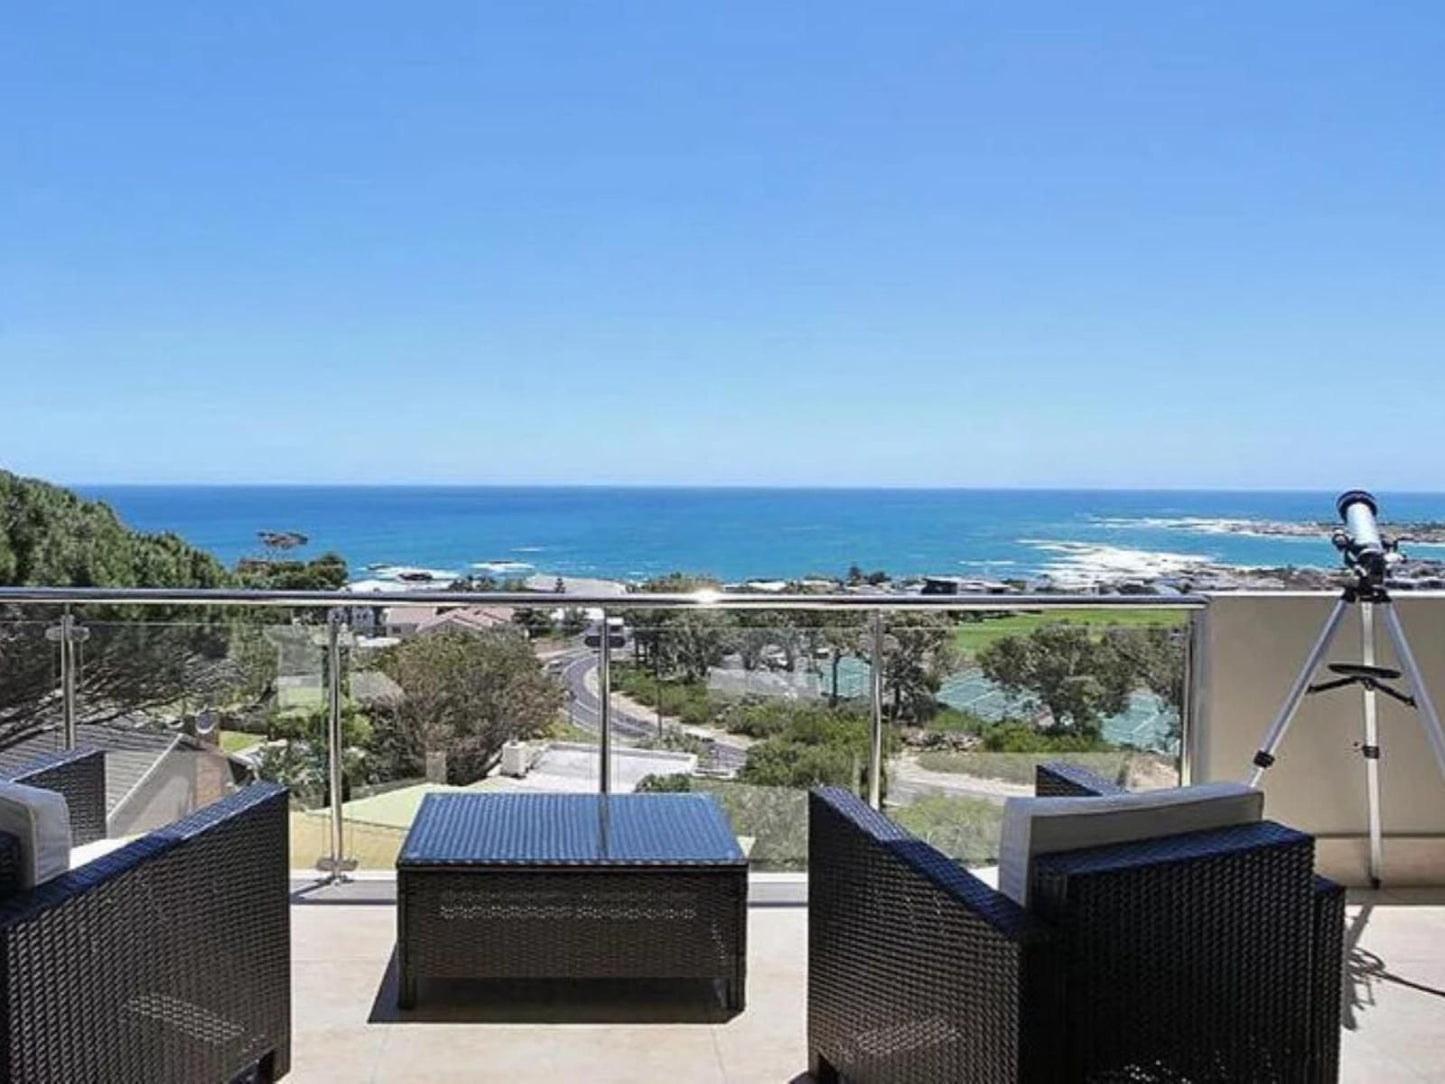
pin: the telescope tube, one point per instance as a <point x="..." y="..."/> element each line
<point x="1357" y="509"/>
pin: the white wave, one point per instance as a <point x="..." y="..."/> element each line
<point x="1249" y="528"/>
<point x="388" y="578"/>
<point x="529" y="549"/>
<point x="503" y="566"/>
<point x="1083" y="564"/>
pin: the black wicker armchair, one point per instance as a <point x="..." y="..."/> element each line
<point x="165" y="960"/>
<point x="1208" y="956"/>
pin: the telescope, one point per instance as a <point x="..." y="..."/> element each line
<point x="1364" y="550"/>
<point x="1368" y="555"/>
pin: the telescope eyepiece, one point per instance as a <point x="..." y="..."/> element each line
<point x="1353" y="497"/>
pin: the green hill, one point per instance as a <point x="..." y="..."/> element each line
<point x="51" y="537"/>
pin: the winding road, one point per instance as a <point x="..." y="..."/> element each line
<point x="574" y="667"/>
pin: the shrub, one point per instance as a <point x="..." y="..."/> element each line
<point x="1012" y="736"/>
<point x="948" y="720"/>
<point x="813" y="746"/>
<point x="664" y="784"/>
<point x="779" y="762"/>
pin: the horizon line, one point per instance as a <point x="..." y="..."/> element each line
<point x="737" y="486"/>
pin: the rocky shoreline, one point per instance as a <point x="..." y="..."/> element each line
<point x="1428" y="533"/>
<point x="1408" y="575"/>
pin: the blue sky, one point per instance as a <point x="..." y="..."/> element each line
<point x="932" y="244"/>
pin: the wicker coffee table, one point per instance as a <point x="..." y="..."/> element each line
<point x="571" y="886"/>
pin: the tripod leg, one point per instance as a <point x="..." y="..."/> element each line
<point x="1423" y="703"/>
<point x="1371" y="748"/>
<point x="1265" y="757"/>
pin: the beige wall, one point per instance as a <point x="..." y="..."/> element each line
<point x="1248" y="651"/>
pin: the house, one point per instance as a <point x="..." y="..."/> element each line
<point x="466" y="619"/>
<point x="962" y="585"/>
<point x="403" y="621"/>
<point x="153" y="776"/>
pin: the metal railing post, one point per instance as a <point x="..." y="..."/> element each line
<point x="1189" y="705"/>
<point x="604" y="716"/>
<point x="337" y="863"/>
<point x="67" y="676"/>
<point x="875" y="716"/>
<point x="66" y="635"/>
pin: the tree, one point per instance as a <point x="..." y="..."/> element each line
<point x="842" y="635"/>
<point x="694" y="641"/>
<point x="684" y="643"/>
<point x="296" y="753"/>
<point x="50" y="536"/>
<point x="135" y="658"/>
<point x="791" y="633"/>
<point x="918" y="654"/>
<point x="1078" y="677"/>
<point x="1155" y="653"/>
<point x="534" y="622"/>
<point x="466" y="694"/>
<point x="473" y="583"/>
<point x="325" y="573"/>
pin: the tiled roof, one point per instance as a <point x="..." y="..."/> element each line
<point x="468" y="617"/>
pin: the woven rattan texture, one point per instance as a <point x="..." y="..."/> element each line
<point x="1213" y="956"/>
<point x="1328" y="973"/>
<point x="1058" y="780"/>
<point x="166" y="961"/>
<point x="570" y="829"/>
<point x="656" y="891"/>
<point x="1189" y="956"/>
<point x="917" y="972"/>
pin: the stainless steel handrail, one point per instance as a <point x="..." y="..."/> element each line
<point x="716" y="600"/>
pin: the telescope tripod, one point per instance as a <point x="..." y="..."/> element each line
<point x="1372" y="679"/>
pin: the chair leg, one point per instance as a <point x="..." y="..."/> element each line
<point x="733" y="994"/>
<point x="823" y="1071"/>
<point x="406" y="992"/>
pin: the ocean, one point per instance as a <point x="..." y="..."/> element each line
<point x="737" y="534"/>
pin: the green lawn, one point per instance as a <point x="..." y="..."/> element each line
<point x="564" y="729"/>
<point x="236" y="741"/>
<point x="974" y="635"/>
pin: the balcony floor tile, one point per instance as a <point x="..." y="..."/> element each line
<point x="347" y="1027"/>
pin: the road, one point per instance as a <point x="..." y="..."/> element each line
<point x="576" y="665"/>
<point x="586" y="707"/>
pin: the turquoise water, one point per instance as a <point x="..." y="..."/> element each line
<point x="742" y="533"/>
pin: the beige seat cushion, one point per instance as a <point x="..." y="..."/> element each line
<point x="40" y="820"/>
<point x="1035" y="826"/>
<point x="99" y="848"/>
